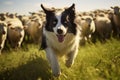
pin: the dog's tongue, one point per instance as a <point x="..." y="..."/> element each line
<point x="60" y="38"/>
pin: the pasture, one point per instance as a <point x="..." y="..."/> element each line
<point x="94" y="62"/>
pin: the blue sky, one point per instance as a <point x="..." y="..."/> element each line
<point x="25" y="6"/>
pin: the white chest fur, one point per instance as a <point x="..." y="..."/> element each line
<point x="61" y="48"/>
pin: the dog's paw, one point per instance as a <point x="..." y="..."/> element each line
<point x="68" y="63"/>
<point x="57" y="74"/>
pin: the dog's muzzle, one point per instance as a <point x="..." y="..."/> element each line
<point x="60" y="35"/>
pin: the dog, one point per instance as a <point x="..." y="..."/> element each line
<point x="61" y="36"/>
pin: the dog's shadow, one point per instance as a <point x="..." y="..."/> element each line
<point x="37" y="69"/>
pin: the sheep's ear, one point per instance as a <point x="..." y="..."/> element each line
<point x="94" y="18"/>
<point x="47" y="10"/>
<point x="32" y="13"/>
<point x="80" y="15"/>
<point x="112" y="7"/>
<point x="82" y="18"/>
<point x="9" y="24"/>
<point x="12" y="28"/>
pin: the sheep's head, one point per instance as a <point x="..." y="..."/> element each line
<point x="116" y="10"/>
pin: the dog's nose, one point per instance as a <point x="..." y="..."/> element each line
<point x="59" y="31"/>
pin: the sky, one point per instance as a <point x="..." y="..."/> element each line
<point x="25" y="6"/>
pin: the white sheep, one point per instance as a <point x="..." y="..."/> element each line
<point x="103" y="28"/>
<point x="3" y="34"/>
<point x="87" y="28"/>
<point x="15" y="32"/>
<point x="34" y="28"/>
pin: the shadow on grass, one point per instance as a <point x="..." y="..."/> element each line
<point x="37" y="69"/>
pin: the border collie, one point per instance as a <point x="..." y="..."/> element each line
<point x="60" y="36"/>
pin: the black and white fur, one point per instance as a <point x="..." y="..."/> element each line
<point x="60" y="37"/>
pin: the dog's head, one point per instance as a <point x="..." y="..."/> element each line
<point x="60" y="22"/>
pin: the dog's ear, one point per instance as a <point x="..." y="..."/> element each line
<point x="47" y="10"/>
<point x="71" y="12"/>
<point x="71" y="7"/>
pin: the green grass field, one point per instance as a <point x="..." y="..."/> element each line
<point x="93" y="62"/>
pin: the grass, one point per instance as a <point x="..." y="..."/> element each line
<point x="93" y="62"/>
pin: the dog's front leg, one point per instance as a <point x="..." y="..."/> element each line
<point x="71" y="56"/>
<point x="52" y="58"/>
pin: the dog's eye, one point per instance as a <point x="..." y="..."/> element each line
<point x="55" y="22"/>
<point x="65" y="22"/>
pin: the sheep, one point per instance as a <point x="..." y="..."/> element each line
<point x="3" y="34"/>
<point x="15" y="32"/>
<point x="15" y="36"/>
<point x="116" y="20"/>
<point x="87" y="28"/>
<point x="34" y="28"/>
<point x="24" y="19"/>
<point x="2" y="16"/>
<point x="103" y="28"/>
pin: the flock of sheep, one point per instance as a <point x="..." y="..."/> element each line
<point x="98" y="24"/>
<point x="14" y="29"/>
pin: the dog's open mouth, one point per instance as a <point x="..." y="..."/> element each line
<point x="60" y="38"/>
